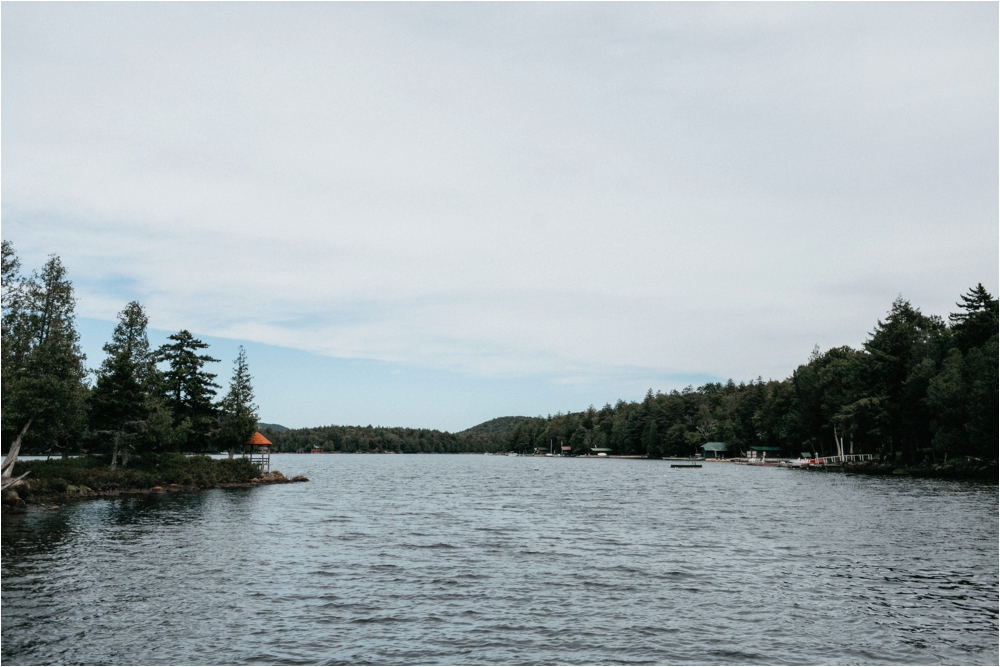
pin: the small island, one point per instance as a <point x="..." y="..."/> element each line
<point x="60" y="480"/>
<point x="144" y="421"/>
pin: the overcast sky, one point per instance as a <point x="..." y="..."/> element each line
<point x="541" y="205"/>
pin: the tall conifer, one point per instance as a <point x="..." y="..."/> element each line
<point x="188" y="389"/>
<point x="239" y="414"/>
<point x="121" y="400"/>
<point x="43" y="371"/>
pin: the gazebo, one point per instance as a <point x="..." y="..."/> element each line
<point x="259" y="451"/>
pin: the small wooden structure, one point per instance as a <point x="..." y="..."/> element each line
<point x="715" y="450"/>
<point x="259" y="451"/>
<point x="759" y="453"/>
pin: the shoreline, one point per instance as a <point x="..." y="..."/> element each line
<point x="14" y="503"/>
<point x="986" y="471"/>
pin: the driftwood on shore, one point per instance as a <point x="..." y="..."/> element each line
<point x="6" y="481"/>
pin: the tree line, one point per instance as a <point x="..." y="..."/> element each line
<point x="919" y="389"/>
<point x="141" y="400"/>
<point x="365" y="439"/>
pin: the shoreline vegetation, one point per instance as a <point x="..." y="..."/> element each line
<point x="919" y="395"/>
<point x="91" y="477"/>
<point x="959" y="469"/>
<point x="55" y="482"/>
<point x="140" y="406"/>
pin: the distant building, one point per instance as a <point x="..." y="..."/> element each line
<point x="715" y="450"/>
<point x="764" y="451"/>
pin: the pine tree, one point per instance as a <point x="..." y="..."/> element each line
<point x="43" y="372"/>
<point x="188" y="390"/>
<point x="651" y="441"/>
<point x="122" y="400"/>
<point x="897" y="369"/>
<point x="239" y="414"/>
<point x="979" y="321"/>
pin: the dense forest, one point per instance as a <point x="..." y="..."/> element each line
<point x="383" y="439"/>
<point x="920" y="388"/>
<point x="138" y="401"/>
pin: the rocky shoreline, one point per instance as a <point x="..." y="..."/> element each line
<point x="13" y="502"/>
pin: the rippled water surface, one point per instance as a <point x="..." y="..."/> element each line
<point x="475" y="559"/>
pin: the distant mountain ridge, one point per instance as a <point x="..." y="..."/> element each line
<point x="274" y="427"/>
<point x="500" y="427"/>
<point x="490" y="436"/>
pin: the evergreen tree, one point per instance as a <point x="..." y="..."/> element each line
<point x="239" y="414"/>
<point x="43" y="371"/>
<point x="122" y="400"/>
<point x="979" y="321"/>
<point x="188" y="390"/>
<point x="894" y="377"/>
<point x="651" y="441"/>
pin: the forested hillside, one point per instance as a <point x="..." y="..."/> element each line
<point x="383" y="439"/>
<point x="500" y="427"/>
<point x="918" y="389"/>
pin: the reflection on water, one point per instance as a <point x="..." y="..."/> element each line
<point x="472" y="559"/>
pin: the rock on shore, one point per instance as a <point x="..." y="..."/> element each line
<point x="275" y="477"/>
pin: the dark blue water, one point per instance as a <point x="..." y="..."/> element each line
<point x="426" y="559"/>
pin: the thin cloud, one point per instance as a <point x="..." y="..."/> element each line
<point x="570" y="190"/>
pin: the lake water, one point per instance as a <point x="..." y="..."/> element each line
<point x="431" y="559"/>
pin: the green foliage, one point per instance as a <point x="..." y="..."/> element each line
<point x="43" y="371"/>
<point x="978" y="323"/>
<point x="238" y="412"/>
<point x="501" y="426"/>
<point x="125" y="398"/>
<point x="380" y="439"/>
<point x="188" y="390"/>
<point x="145" y="472"/>
<point x="917" y="391"/>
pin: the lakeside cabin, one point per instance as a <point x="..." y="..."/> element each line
<point x="715" y="450"/>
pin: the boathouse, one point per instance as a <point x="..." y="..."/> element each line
<point x="764" y="451"/>
<point x="715" y="450"/>
<point x="259" y="451"/>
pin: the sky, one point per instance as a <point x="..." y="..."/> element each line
<point x="431" y="215"/>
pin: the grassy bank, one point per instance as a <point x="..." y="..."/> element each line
<point x="93" y="475"/>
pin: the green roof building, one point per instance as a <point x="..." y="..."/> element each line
<point x="764" y="451"/>
<point x="715" y="450"/>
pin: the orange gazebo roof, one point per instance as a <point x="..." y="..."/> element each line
<point x="258" y="439"/>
